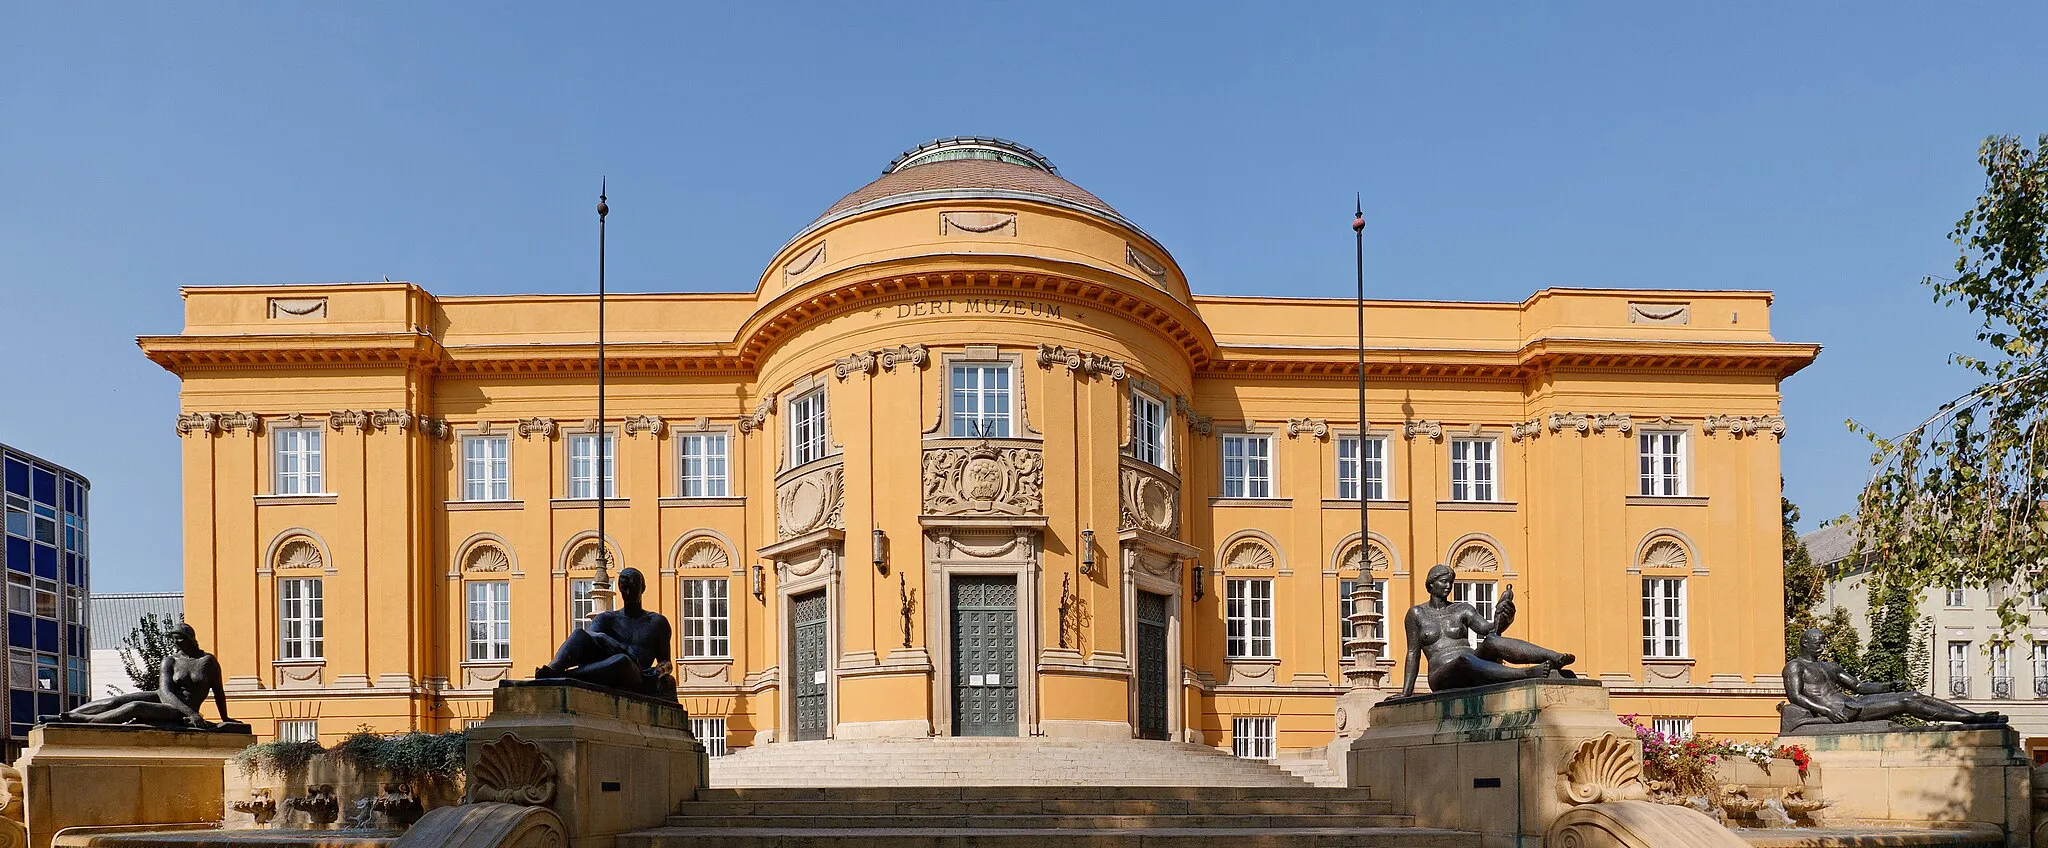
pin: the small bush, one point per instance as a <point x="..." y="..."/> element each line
<point x="288" y="759"/>
<point x="410" y="758"/>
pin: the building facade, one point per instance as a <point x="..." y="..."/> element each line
<point x="971" y="458"/>
<point x="1971" y="659"/>
<point x="46" y="558"/>
<point x="114" y="616"/>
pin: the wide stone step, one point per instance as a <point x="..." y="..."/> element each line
<point x="954" y="837"/>
<point x="1031" y="792"/>
<point x="1043" y="821"/>
<point x="1030" y="807"/>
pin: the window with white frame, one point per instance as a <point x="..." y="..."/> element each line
<point x="2039" y="656"/>
<point x="1252" y="737"/>
<point x="807" y="428"/>
<point x="1474" y="470"/>
<point x="298" y="730"/>
<point x="301" y="619"/>
<point x="1148" y="429"/>
<point x="1661" y="463"/>
<point x="581" y="604"/>
<point x="1248" y="466"/>
<point x="1345" y="589"/>
<point x="490" y="620"/>
<point x="1955" y="596"/>
<point x="486" y="468"/>
<point x="583" y="465"/>
<point x="1959" y="668"/>
<point x="47" y="672"/>
<point x="1664" y="617"/>
<point x="1672" y="727"/>
<point x="2001" y="670"/>
<point x="21" y="668"/>
<point x="710" y="733"/>
<point x="705" y="620"/>
<point x="702" y="461"/>
<point x="1478" y="593"/>
<point x="1248" y="618"/>
<point x="981" y="400"/>
<point x="297" y="461"/>
<point x="21" y="594"/>
<point x="1375" y="468"/>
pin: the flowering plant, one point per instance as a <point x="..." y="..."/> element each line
<point x="1686" y="764"/>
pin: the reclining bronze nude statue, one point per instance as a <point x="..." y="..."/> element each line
<point x="187" y="676"/>
<point x="1825" y="699"/>
<point x="1438" y="628"/>
<point x="625" y="649"/>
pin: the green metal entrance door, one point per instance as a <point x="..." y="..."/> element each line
<point x="984" y="656"/>
<point x="808" y="620"/>
<point x="1151" y="666"/>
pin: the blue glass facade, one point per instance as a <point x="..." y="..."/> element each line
<point x="46" y="559"/>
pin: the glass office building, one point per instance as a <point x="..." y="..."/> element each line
<point x="45" y="557"/>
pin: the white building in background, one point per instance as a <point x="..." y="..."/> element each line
<point x="114" y="616"/>
<point x="1971" y="660"/>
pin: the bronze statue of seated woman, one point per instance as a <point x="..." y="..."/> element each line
<point x="1440" y="629"/>
<point x="187" y="676"/>
<point x="625" y="649"/>
<point x="1823" y="697"/>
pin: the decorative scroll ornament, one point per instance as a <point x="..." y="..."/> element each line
<point x="511" y="770"/>
<point x="203" y="421"/>
<point x="890" y="357"/>
<point x="1151" y="267"/>
<point x="977" y="222"/>
<point x="1082" y="362"/>
<point x="1579" y="421"/>
<point x="249" y="421"/>
<point x="984" y="478"/>
<point x="486" y="558"/>
<point x="803" y="262"/>
<point x="753" y="421"/>
<point x="545" y="427"/>
<point x="1149" y="502"/>
<point x="1432" y="429"/>
<point x="341" y="418"/>
<point x="862" y="362"/>
<point x="1603" y="770"/>
<point x="435" y="428"/>
<point x="1529" y="429"/>
<point x="636" y="424"/>
<point x="1318" y="427"/>
<point x="1746" y="425"/>
<point x="1249" y="554"/>
<point x="1201" y="424"/>
<point x="1617" y="420"/>
<point x="814" y="501"/>
<point x="398" y="418"/>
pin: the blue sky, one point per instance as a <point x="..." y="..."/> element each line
<point x="1821" y="151"/>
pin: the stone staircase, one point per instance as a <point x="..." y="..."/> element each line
<point x="1030" y="816"/>
<point x="1315" y="771"/>
<point x="980" y="761"/>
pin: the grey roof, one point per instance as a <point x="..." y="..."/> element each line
<point x="1830" y="544"/>
<point x="115" y="616"/>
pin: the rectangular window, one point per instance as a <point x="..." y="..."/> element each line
<point x="1473" y="471"/>
<point x="1955" y="596"/>
<point x="21" y="595"/>
<point x="1478" y="593"/>
<point x="581" y="604"/>
<point x="1251" y="737"/>
<point x="46" y="598"/>
<point x="298" y="463"/>
<point x="490" y="620"/>
<point x="807" y="428"/>
<point x="710" y="732"/>
<point x="1661" y="461"/>
<point x="47" y="672"/>
<point x="1247" y="466"/>
<point x="1663" y="617"/>
<point x="21" y="669"/>
<point x="298" y="730"/>
<point x="1345" y="588"/>
<point x="981" y="401"/>
<point x="583" y="470"/>
<point x="1248" y="618"/>
<point x="705" y="618"/>
<point x="486" y="468"/>
<point x="1375" y="468"/>
<point x="301" y="618"/>
<point x="76" y="676"/>
<point x="703" y="465"/>
<point x="1672" y="727"/>
<point x="2001" y="670"/>
<point x="1959" y="669"/>
<point x="2040" y="663"/>
<point x="1148" y="429"/>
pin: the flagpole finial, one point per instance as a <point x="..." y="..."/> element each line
<point x="1358" y="222"/>
<point x="602" y="210"/>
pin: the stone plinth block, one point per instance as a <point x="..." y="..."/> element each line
<point x="607" y="762"/>
<point x="1925" y="775"/>
<point x="1487" y="760"/>
<point x="85" y="775"/>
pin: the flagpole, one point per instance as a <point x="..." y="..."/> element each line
<point x="601" y="587"/>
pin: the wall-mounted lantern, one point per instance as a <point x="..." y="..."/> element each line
<point x="1088" y="551"/>
<point x="881" y="543"/>
<point x="760" y="583"/>
<point x="1199" y="572"/>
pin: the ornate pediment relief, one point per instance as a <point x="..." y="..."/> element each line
<point x="814" y="500"/>
<point x="984" y="478"/>
<point x="1149" y="502"/>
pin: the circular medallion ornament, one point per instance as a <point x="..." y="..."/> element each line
<point x="805" y="504"/>
<point x="1155" y="504"/>
<point x="982" y="479"/>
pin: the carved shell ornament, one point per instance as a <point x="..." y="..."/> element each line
<point x="585" y="556"/>
<point x="1475" y="557"/>
<point x="1380" y="560"/>
<point x="299" y="553"/>
<point x="1250" y="555"/>
<point x="486" y="558"/>
<point x="704" y="553"/>
<point x="511" y="770"/>
<point x="1603" y="770"/>
<point x="1664" y="553"/>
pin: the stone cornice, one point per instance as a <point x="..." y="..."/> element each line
<point x="1540" y="356"/>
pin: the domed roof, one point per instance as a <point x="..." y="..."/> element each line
<point x="965" y="166"/>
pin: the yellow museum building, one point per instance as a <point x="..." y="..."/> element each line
<point x="971" y="458"/>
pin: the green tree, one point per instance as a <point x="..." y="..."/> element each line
<point x="1962" y="499"/>
<point x="1805" y="585"/>
<point x="1894" y="614"/>
<point x="144" y="648"/>
<point x="1844" y="646"/>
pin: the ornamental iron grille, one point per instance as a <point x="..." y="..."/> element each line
<point x="808" y="619"/>
<point x="1151" y="666"/>
<point x="984" y="656"/>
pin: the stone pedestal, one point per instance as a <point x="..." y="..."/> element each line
<point x="1925" y="776"/>
<point x="606" y="762"/>
<point x="88" y="775"/>
<point x="1487" y="760"/>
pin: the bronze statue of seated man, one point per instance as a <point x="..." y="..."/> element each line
<point x="1823" y="697"/>
<point x="625" y="649"/>
<point x="1439" y="628"/>
<point x="187" y="676"/>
